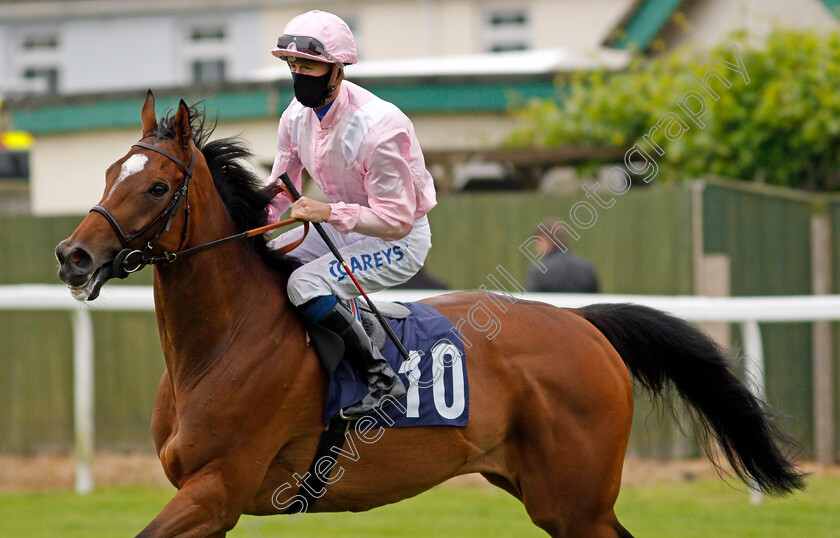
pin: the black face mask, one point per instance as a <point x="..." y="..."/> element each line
<point x="311" y="91"/>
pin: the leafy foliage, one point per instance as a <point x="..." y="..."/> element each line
<point x="782" y="128"/>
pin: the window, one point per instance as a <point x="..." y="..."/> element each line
<point x="40" y="41"/>
<point x="14" y="165"/>
<point x="205" y="51"/>
<point x="37" y="60"/>
<point x="506" y="29"/>
<point x="41" y="79"/>
<point x="208" y="71"/>
<point x="207" y="33"/>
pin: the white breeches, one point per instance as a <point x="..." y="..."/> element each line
<point x="376" y="263"/>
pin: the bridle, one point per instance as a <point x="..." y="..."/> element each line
<point x="130" y="260"/>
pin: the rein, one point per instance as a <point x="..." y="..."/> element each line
<point x="130" y="260"/>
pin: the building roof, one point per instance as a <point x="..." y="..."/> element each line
<point x="512" y="63"/>
<point x="476" y="83"/>
<point x="646" y="20"/>
<point x="643" y="23"/>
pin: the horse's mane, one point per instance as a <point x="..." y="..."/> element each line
<point x="241" y="190"/>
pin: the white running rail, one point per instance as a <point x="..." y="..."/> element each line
<point x="747" y="311"/>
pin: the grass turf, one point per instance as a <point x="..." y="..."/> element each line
<point x="699" y="509"/>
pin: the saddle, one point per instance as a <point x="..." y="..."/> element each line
<point x="330" y="347"/>
<point x="437" y="363"/>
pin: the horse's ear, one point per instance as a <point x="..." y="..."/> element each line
<point x="148" y="114"/>
<point x="183" y="131"/>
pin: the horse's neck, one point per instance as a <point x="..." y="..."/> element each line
<point x="209" y="303"/>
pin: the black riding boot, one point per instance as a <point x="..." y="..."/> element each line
<point x="368" y="361"/>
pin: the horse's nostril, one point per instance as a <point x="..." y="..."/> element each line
<point x="73" y="259"/>
<point x="80" y="260"/>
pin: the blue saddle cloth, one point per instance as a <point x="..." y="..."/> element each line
<point x="436" y="375"/>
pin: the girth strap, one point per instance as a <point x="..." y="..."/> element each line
<point x="312" y="487"/>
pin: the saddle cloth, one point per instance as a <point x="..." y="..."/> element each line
<point x="435" y="375"/>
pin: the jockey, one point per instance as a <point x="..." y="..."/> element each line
<point x="363" y="154"/>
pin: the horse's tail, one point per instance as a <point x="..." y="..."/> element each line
<point x="658" y="348"/>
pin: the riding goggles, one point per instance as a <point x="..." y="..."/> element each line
<point x="306" y="44"/>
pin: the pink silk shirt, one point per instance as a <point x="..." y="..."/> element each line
<point x="364" y="156"/>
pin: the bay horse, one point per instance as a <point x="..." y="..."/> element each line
<point x="239" y="407"/>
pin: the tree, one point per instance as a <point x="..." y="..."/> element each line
<point x="783" y="127"/>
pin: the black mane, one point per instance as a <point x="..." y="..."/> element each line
<point x="241" y="190"/>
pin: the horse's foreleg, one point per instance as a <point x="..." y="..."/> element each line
<point x="204" y="506"/>
<point x="164" y="422"/>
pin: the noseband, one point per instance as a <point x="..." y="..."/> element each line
<point x="128" y="260"/>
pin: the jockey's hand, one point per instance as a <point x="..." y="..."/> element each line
<point x="312" y="210"/>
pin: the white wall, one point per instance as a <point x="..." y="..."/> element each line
<point x="711" y="21"/>
<point x="118" y="53"/>
<point x="395" y="30"/>
<point x="98" y="54"/>
<point x="576" y="24"/>
<point x="389" y="29"/>
<point x="457" y="27"/>
<point x="5" y="60"/>
<point x="245" y="43"/>
<point x="68" y="170"/>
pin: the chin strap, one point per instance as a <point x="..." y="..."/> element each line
<point x="336" y="71"/>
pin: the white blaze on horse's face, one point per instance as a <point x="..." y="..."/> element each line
<point x="131" y="166"/>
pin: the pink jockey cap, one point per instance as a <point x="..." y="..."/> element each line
<point x="327" y="28"/>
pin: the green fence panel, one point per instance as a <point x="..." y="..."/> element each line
<point x="36" y="381"/>
<point x="639" y="245"/>
<point x="36" y="365"/>
<point x="27" y="250"/>
<point x="766" y="236"/>
<point x="129" y="365"/>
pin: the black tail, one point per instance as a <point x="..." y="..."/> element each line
<point x="658" y="348"/>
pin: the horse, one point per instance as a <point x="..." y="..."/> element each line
<point x="239" y="408"/>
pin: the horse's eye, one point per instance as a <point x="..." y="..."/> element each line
<point x="159" y="189"/>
